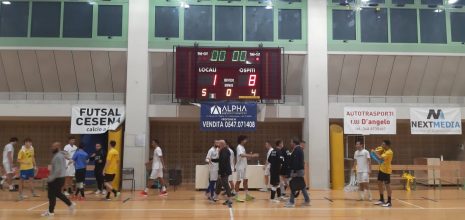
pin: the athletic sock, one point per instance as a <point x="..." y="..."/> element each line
<point x="362" y="196"/>
<point x="114" y="192"/>
<point x="389" y="199"/>
<point x="82" y="192"/>
<point x="281" y="187"/>
<point x="146" y="190"/>
<point x="273" y="192"/>
<point x="70" y="191"/>
<point x="108" y="195"/>
<point x="278" y="192"/>
<point x="381" y="197"/>
<point x="369" y="193"/>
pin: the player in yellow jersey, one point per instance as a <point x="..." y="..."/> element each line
<point x="27" y="167"/>
<point x="111" y="168"/>
<point x="384" y="174"/>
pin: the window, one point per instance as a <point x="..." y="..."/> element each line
<point x="198" y="22"/>
<point x="14" y="19"/>
<point x="166" y="22"/>
<point x="403" y="2"/>
<point x="344" y="25"/>
<point x="431" y="2"/>
<point x="228" y="23"/>
<point x="77" y="20"/>
<point x="259" y="24"/>
<point x="404" y="26"/>
<point x="433" y="26"/>
<point x="110" y="20"/>
<point x="290" y="24"/>
<point x="343" y="2"/>
<point x="374" y="25"/>
<point x="45" y="19"/>
<point x="372" y="2"/>
<point x="457" y="20"/>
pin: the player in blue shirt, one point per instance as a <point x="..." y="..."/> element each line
<point x="80" y="159"/>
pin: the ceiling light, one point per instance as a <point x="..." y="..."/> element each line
<point x="6" y="2"/>
<point x="451" y="2"/>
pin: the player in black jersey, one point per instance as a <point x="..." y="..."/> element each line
<point x="285" y="172"/>
<point x="275" y="161"/>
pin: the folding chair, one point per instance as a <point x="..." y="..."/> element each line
<point x="128" y="174"/>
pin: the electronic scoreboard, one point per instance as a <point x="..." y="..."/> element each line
<point x="207" y="73"/>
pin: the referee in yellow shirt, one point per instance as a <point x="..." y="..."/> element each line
<point x="384" y="174"/>
<point x="111" y="167"/>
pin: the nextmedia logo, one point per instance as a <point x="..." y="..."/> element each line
<point x="436" y="114"/>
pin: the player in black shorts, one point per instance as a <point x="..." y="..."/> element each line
<point x="275" y="161"/>
<point x="285" y="172"/>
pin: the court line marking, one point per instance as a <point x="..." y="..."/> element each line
<point x="408" y="203"/>
<point x="231" y="214"/>
<point x="37" y="206"/>
<point x="258" y="209"/>
<point x="329" y="199"/>
<point x="426" y="198"/>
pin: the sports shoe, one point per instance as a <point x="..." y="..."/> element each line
<point x="227" y="202"/>
<point x="263" y="190"/>
<point x="237" y="199"/>
<point x="22" y="197"/>
<point x="104" y="192"/>
<point x="379" y="202"/>
<point x="117" y="194"/>
<point x="306" y="203"/>
<point x="275" y="200"/>
<point x="47" y="214"/>
<point x="284" y="198"/>
<point x="35" y="195"/>
<point x="387" y="205"/>
<point x="249" y="197"/>
<point x="144" y="193"/>
<point x="289" y="205"/>
<point x="163" y="193"/>
<point x="72" y="208"/>
<point x="66" y="193"/>
<point x="98" y="192"/>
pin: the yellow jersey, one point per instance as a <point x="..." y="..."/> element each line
<point x="112" y="161"/>
<point x="26" y="158"/>
<point x="387" y="156"/>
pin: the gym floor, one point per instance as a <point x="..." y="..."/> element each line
<point x="446" y="203"/>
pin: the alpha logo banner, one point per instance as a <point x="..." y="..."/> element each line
<point x="228" y="116"/>
<point x="369" y="120"/>
<point x="435" y="121"/>
<point x="96" y="119"/>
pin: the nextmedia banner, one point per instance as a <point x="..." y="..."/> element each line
<point x="96" y="119"/>
<point x="435" y="121"/>
<point x="369" y="120"/>
<point x="228" y="116"/>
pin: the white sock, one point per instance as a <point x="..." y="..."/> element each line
<point x="246" y="192"/>
<point x="362" y="196"/>
<point x="163" y="188"/>
<point x="369" y="193"/>
<point x="146" y="190"/>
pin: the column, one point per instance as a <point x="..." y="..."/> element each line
<point x="316" y="95"/>
<point x="136" y="132"/>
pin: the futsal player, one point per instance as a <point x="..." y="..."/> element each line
<point x="158" y="165"/>
<point x="241" y="168"/>
<point x="80" y="159"/>
<point x="56" y="179"/>
<point x="70" y="148"/>
<point x="296" y="165"/>
<point x="27" y="167"/>
<point x="285" y="171"/>
<point x="212" y="154"/>
<point x="384" y="174"/>
<point x="224" y="171"/>
<point x="362" y="165"/>
<point x="232" y="162"/>
<point x="99" y="163"/>
<point x="111" y="167"/>
<point x="275" y="161"/>
<point x="8" y="153"/>
<point x="266" y="179"/>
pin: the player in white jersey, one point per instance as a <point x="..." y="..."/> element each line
<point x="8" y="153"/>
<point x="70" y="149"/>
<point x="241" y="167"/>
<point x="266" y="168"/>
<point x="158" y="165"/>
<point x="212" y="154"/>
<point x="362" y="164"/>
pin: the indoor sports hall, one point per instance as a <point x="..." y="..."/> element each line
<point x="232" y="109"/>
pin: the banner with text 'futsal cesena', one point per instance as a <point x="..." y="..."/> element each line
<point x="96" y="119"/>
<point x="435" y="121"/>
<point x="370" y="120"/>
